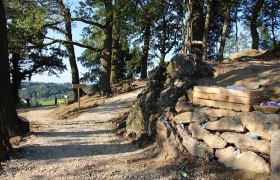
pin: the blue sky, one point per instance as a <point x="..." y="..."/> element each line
<point x="65" y="76"/>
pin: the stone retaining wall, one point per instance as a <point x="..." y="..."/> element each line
<point x="241" y="140"/>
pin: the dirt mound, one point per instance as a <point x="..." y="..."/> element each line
<point x="248" y="74"/>
<point x="247" y="53"/>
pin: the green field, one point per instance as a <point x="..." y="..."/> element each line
<point x="49" y="102"/>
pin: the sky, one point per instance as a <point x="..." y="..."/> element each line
<point x="66" y="77"/>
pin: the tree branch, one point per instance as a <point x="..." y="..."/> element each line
<point x="64" y="42"/>
<point x="58" y="29"/>
<point x="89" y="22"/>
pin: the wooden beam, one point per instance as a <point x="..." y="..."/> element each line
<point x="220" y="104"/>
<point x="225" y="91"/>
<point x="226" y="98"/>
<point x="79" y="85"/>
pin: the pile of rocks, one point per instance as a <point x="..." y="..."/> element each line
<point x="241" y="140"/>
<point x="167" y="83"/>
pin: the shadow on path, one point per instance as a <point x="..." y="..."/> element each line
<point x="72" y="151"/>
<point x="74" y="133"/>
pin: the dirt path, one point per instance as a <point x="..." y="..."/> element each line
<point x="83" y="148"/>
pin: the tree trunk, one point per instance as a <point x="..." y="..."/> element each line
<point x="189" y="26"/>
<point x="107" y="50"/>
<point x="163" y="41"/>
<point x="197" y="24"/>
<point x="253" y="24"/>
<point x="8" y="114"/>
<point x="115" y="58"/>
<point x="17" y="77"/>
<point x="183" y="36"/>
<point x="206" y="28"/>
<point x="236" y="26"/>
<point x="71" y="52"/>
<point x="224" y="33"/>
<point x="273" y="24"/>
<point x="144" y="60"/>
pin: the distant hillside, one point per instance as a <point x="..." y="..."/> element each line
<point x="44" y="91"/>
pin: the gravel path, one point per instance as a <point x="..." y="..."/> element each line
<point x="83" y="148"/>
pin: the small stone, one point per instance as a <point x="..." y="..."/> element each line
<point x="216" y="113"/>
<point x="195" y="147"/>
<point x="246" y="160"/>
<point x="244" y="141"/>
<point x="188" y="117"/>
<point x="199" y="133"/>
<point x="181" y="106"/>
<point x="260" y="124"/>
<point x="226" y="124"/>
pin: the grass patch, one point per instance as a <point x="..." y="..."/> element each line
<point x="49" y="102"/>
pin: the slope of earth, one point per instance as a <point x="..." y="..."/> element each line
<point x="92" y="100"/>
<point x="248" y="72"/>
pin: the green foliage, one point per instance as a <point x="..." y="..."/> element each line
<point x="26" y="35"/>
<point x="43" y="91"/>
<point x="50" y="102"/>
<point x="134" y="62"/>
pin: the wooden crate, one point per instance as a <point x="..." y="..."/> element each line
<point x="221" y="97"/>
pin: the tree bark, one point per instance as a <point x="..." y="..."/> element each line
<point x="144" y="60"/>
<point x="224" y="33"/>
<point x="17" y="77"/>
<point x="107" y="50"/>
<point x="163" y="41"/>
<point x="8" y="114"/>
<point x="196" y="20"/>
<point x="206" y="28"/>
<point x="115" y="58"/>
<point x="71" y="51"/>
<point x="253" y="24"/>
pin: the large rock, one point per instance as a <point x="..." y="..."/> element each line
<point x="182" y="105"/>
<point x="168" y="97"/>
<point x="226" y="124"/>
<point x="213" y="141"/>
<point x="244" y="141"/>
<point x="275" y="155"/>
<point x="189" y="117"/>
<point x="216" y="113"/>
<point x="138" y="119"/>
<point x="246" y="160"/>
<point x="260" y="124"/>
<point x="195" y="147"/>
<point x="182" y="66"/>
<point x="166" y="137"/>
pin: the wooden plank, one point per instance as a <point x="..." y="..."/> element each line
<point x="225" y="91"/>
<point x="79" y="85"/>
<point x="222" y="97"/>
<point x="220" y="104"/>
